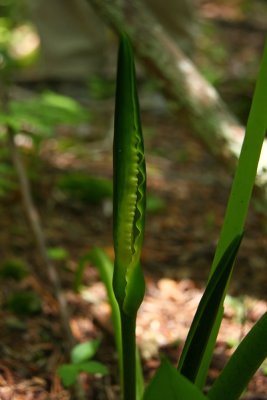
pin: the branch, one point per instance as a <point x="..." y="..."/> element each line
<point x="181" y="81"/>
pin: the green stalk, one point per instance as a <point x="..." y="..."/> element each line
<point x="128" y="324"/>
<point x="129" y="201"/>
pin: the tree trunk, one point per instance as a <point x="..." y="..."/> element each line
<point x="211" y="120"/>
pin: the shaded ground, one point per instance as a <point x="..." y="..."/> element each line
<point x="179" y="246"/>
<point x="188" y="193"/>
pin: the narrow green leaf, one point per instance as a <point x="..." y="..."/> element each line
<point x="247" y="165"/>
<point x="84" y="351"/>
<point x="129" y="181"/>
<point x="240" y="195"/>
<point x="105" y="267"/>
<point x="169" y="384"/>
<point x="243" y="364"/>
<point x="68" y="372"/>
<point x="209" y="306"/>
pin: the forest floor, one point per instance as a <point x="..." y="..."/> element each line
<point x="187" y="196"/>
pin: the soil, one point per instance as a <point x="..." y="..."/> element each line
<point x="188" y="191"/>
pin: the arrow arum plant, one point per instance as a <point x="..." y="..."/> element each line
<point x="129" y="184"/>
<point x="126" y="289"/>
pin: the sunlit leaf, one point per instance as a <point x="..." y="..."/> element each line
<point x="84" y="351"/>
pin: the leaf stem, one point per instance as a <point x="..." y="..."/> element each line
<point x="128" y="324"/>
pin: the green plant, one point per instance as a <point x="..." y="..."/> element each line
<point x="85" y="188"/>
<point x="129" y="184"/>
<point x="81" y="355"/>
<point x="37" y="117"/>
<point x="105" y="268"/>
<point x="13" y="269"/>
<point x="187" y="380"/>
<point x="24" y="302"/>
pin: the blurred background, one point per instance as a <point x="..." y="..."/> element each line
<point x="57" y="84"/>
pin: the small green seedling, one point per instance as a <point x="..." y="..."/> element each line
<point x="24" y="303"/>
<point x="14" y="269"/>
<point x="88" y="189"/>
<point x="81" y="356"/>
<point x="58" y="254"/>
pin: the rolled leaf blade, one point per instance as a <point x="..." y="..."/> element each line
<point x="129" y="185"/>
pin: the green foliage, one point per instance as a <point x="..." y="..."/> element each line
<point x="105" y="268"/>
<point x="129" y="206"/>
<point x="7" y="175"/>
<point x="24" y="303"/>
<point x="129" y="201"/>
<point x="57" y="253"/>
<point x="40" y="115"/>
<point x="69" y="372"/>
<point x="169" y="384"/>
<point x="241" y="191"/>
<point x="247" y="358"/>
<point x="207" y="311"/>
<point x="155" y="204"/>
<point x="81" y="361"/>
<point x="129" y="181"/>
<point x="13" y="269"/>
<point x="85" y="188"/>
<point x="84" y="351"/>
<point x="100" y="88"/>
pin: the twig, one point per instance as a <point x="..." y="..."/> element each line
<point x="36" y="226"/>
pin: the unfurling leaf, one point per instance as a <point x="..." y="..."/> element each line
<point x="129" y="186"/>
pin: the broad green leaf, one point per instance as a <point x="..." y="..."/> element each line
<point x="68" y="374"/>
<point x="93" y="367"/>
<point x="169" y="384"/>
<point x="84" y="351"/>
<point x="209" y="306"/>
<point x="240" y="195"/>
<point x="129" y="184"/>
<point x="243" y="364"/>
<point x="57" y="253"/>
